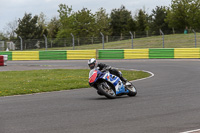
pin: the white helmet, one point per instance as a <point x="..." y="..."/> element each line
<point x="92" y="63"/>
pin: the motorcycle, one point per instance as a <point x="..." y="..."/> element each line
<point x="110" y="85"/>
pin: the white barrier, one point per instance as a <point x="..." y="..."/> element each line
<point x="3" y="60"/>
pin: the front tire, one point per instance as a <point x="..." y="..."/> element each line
<point x="132" y="90"/>
<point x="106" y="90"/>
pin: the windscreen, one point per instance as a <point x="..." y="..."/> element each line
<point x="91" y="73"/>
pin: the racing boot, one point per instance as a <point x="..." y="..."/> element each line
<point x="124" y="81"/>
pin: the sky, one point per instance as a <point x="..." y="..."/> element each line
<point x="11" y="10"/>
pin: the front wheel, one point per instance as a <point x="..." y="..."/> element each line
<point x="106" y="90"/>
<point x="132" y="90"/>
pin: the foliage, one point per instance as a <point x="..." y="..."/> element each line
<point x="10" y="29"/>
<point x="66" y="21"/>
<point x="184" y="13"/>
<point x="102" y="22"/>
<point x="28" y="28"/>
<point x="84" y="24"/>
<point x="158" y="17"/>
<point x="121" y="21"/>
<point x="53" y="27"/>
<point x="142" y="21"/>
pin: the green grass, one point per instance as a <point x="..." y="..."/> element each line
<point x="35" y="81"/>
<point x="171" y="41"/>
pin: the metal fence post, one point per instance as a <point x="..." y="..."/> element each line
<point x="163" y="38"/>
<point x="195" y="37"/>
<point x="45" y="41"/>
<point x="21" y="43"/>
<point x="102" y="39"/>
<point x="131" y="38"/>
<point x="72" y="40"/>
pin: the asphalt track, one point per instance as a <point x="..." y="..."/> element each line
<point x="169" y="102"/>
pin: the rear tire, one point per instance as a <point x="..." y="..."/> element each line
<point x="106" y="90"/>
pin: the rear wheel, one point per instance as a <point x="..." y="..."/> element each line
<point x="132" y="90"/>
<point x="106" y="90"/>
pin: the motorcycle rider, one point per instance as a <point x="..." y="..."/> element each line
<point x="92" y="63"/>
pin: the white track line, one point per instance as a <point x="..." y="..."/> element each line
<point x="152" y="74"/>
<point x="192" y="131"/>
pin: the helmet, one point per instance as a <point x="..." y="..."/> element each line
<point x="92" y="63"/>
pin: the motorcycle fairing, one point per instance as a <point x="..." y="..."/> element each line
<point x="93" y="76"/>
<point x="119" y="87"/>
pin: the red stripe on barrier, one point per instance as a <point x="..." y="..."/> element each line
<point x="1" y="61"/>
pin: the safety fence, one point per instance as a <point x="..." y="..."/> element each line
<point x="152" y="53"/>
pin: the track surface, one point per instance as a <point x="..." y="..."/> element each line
<point x="169" y="102"/>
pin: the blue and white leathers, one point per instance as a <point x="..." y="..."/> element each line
<point x="119" y="86"/>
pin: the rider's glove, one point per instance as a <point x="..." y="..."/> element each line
<point x="106" y="69"/>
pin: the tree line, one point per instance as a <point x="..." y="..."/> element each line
<point x="180" y="15"/>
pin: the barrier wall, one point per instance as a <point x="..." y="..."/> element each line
<point x="53" y="55"/>
<point x="81" y="54"/>
<point x="161" y="53"/>
<point x="111" y="54"/>
<point x="165" y="53"/>
<point x="136" y="53"/>
<point x="186" y="53"/>
<point x="25" y="55"/>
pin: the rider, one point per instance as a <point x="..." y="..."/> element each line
<point x="92" y="63"/>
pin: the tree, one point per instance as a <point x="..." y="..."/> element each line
<point x="42" y="20"/>
<point x="142" y="20"/>
<point x="2" y="36"/>
<point x="42" y="24"/>
<point x="121" y="21"/>
<point x="66" y="21"/>
<point x="184" y="13"/>
<point x="28" y="28"/>
<point x="102" y="22"/>
<point x="84" y="24"/>
<point x="10" y="29"/>
<point x="53" y="27"/>
<point x="158" y="17"/>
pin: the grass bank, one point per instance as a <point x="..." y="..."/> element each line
<point x="35" y="81"/>
<point x="170" y="41"/>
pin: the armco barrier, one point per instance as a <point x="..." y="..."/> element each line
<point x="111" y="54"/>
<point x="136" y="53"/>
<point x="186" y="53"/>
<point x="53" y="55"/>
<point x="81" y="54"/>
<point x="25" y="55"/>
<point x="167" y="53"/>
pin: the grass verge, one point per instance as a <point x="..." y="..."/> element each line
<point x="35" y="81"/>
<point x="171" y="41"/>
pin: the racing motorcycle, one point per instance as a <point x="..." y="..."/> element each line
<point x="110" y="85"/>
